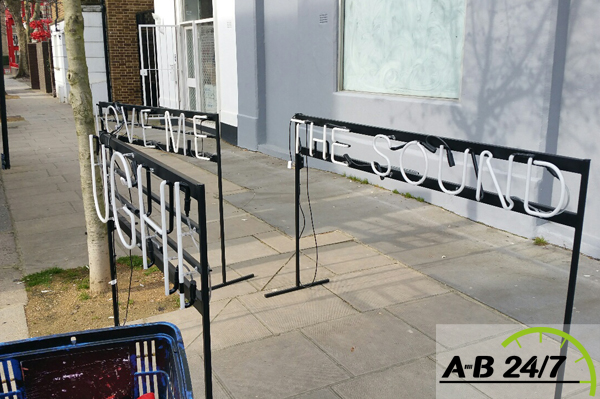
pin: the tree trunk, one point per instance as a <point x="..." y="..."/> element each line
<point x="14" y="6"/>
<point x="81" y="102"/>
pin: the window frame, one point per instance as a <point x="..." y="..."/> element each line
<point x="340" y="63"/>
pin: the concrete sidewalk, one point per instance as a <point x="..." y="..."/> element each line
<point x="397" y="267"/>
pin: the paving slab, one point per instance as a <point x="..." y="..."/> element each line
<point x="9" y="257"/>
<point x="5" y="219"/>
<point x="13" y="324"/>
<point x="15" y="195"/>
<point x="279" y="271"/>
<point x="235" y="325"/>
<point x="326" y="393"/>
<point x="22" y="184"/>
<point x="296" y="309"/>
<point x="454" y="309"/>
<point x="195" y="363"/>
<point x="55" y="223"/>
<point x="348" y="257"/>
<point x="283" y="243"/>
<point x="383" y="286"/>
<point x="45" y="243"/>
<point x="238" y="250"/>
<point x="411" y="380"/>
<point x="41" y="211"/>
<point x="236" y="227"/>
<point x="523" y="288"/>
<point x="350" y="341"/>
<point x="11" y="177"/>
<point x="12" y="290"/>
<point x="66" y="257"/>
<point x="275" y="367"/>
<point x="54" y="197"/>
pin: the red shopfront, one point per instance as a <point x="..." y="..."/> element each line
<point x="11" y="36"/>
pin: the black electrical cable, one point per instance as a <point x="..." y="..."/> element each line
<point x="311" y="215"/>
<point x="130" y="273"/>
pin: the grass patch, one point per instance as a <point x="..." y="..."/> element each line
<point x="410" y="196"/>
<point x="78" y="276"/>
<point x="396" y="191"/>
<point x="540" y="241"/>
<point x="84" y="296"/>
<point x="151" y="270"/>
<point x="41" y="278"/>
<point x="137" y="261"/>
<point x="84" y="284"/>
<point x="357" y="179"/>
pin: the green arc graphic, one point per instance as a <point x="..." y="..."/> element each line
<point x="566" y="337"/>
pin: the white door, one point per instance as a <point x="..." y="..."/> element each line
<point x="190" y="73"/>
<point x="158" y="65"/>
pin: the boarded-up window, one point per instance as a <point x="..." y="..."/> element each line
<point x="408" y="47"/>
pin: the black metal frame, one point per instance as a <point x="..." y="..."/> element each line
<point x="213" y="158"/>
<point x="567" y="164"/>
<point x="6" y="153"/>
<point x="299" y="164"/>
<point x="200" y="299"/>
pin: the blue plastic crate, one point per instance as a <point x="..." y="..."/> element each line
<point x="110" y="363"/>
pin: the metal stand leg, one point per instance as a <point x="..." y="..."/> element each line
<point x="221" y="217"/>
<point x="205" y="296"/>
<point x="573" y="273"/>
<point x="110" y="225"/>
<point x="299" y="165"/>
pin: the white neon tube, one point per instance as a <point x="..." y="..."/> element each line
<point x="142" y="216"/>
<point x="116" y="115"/>
<point x="387" y="160"/>
<point x="181" y="129"/>
<point x="168" y="129"/>
<point x="179" y="245"/>
<point x="509" y="200"/>
<point x="143" y="120"/>
<point x="336" y="144"/>
<point x="297" y="122"/>
<point x="488" y="162"/>
<point x="200" y="136"/>
<point x="561" y="202"/>
<point x="129" y="133"/>
<point x="102" y="216"/>
<point x="113" y="161"/>
<point x="312" y="140"/>
<point x="464" y="173"/>
<point x="163" y="232"/>
<point x="97" y="118"/>
<point x="422" y="179"/>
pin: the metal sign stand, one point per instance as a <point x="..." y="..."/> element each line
<point x="6" y="152"/>
<point x="189" y="152"/>
<point x="299" y="164"/>
<point x="200" y="299"/>
<point x="580" y="167"/>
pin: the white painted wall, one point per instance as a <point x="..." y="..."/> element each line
<point x="94" y="50"/>
<point x="166" y="13"/>
<point x="225" y="40"/>
<point x="167" y="51"/>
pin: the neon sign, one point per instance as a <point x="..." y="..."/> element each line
<point x="383" y="167"/>
<point x="117" y="169"/>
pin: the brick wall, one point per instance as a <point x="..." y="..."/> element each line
<point x="123" y="48"/>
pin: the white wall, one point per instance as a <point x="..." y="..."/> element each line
<point x="225" y="40"/>
<point x="289" y="60"/>
<point x="94" y="50"/>
<point x="166" y="48"/>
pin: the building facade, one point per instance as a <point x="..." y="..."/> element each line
<point x="517" y="74"/>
